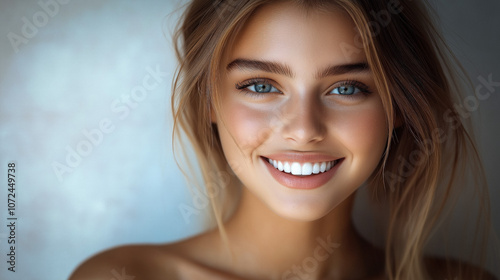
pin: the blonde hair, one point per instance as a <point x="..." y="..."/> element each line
<point x="418" y="81"/>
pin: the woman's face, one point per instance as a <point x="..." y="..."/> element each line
<point x="296" y="92"/>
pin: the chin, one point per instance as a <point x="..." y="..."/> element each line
<point x="306" y="209"/>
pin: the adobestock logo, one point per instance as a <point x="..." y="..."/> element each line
<point x="224" y="7"/>
<point x="201" y="199"/>
<point x="310" y="264"/>
<point x="454" y="118"/>
<point x="121" y="109"/>
<point x="39" y="19"/>
<point x="121" y="276"/>
<point x="382" y="19"/>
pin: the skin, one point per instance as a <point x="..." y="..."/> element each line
<point x="305" y="118"/>
<point x="302" y="118"/>
<point x="277" y="232"/>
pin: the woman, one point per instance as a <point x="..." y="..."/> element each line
<point x="291" y="106"/>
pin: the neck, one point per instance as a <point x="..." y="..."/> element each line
<point x="267" y="244"/>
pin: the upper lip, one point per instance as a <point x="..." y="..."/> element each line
<point x="301" y="157"/>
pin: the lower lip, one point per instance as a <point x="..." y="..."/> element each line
<point x="301" y="182"/>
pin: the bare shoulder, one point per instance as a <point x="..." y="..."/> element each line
<point x="129" y="262"/>
<point x="453" y="269"/>
<point x="200" y="257"/>
<point x="193" y="258"/>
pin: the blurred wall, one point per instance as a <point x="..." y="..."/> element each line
<point x="85" y="116"/>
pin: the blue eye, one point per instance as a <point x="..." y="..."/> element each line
<point x="257" y="87"/>
<point x="346" y="90"/>
<point x="262" y="88"/>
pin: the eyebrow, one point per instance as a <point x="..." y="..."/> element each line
<point x="266" y="66"/>
<point x="343" y="69"/>
<point x="282" y="69"/>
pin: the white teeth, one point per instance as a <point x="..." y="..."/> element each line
<point x="296" y="169"/>
<point x="322" y="167"/>
<point x="307" y="168"/>
<point x="286" y="167"/>
<point x="302" y="169"/>
<point x="316" y="168"/>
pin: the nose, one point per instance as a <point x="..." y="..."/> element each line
<point x="302" y="122"/>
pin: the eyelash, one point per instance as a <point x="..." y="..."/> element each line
<point x="364" y="90"/>
<point x="242" y="87"/>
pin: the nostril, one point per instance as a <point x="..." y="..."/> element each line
<point x="302" y="123"/>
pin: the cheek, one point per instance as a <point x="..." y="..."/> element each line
<point x="363" y="133"/>
<point x="243" y="129"/>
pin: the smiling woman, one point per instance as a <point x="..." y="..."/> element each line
<point x="318" y="126"/>
<point x="300" y="103"/>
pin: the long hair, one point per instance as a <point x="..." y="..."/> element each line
<point x="420" y="83"/>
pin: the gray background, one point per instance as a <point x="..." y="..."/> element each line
<point x="128" y="189"/>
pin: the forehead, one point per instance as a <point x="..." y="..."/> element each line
<point x="289" y="33"/>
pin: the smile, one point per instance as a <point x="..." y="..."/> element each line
<point x="302" y="169"/>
